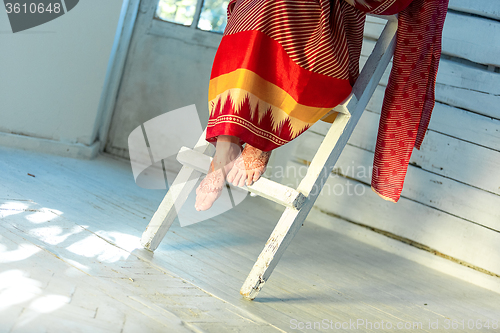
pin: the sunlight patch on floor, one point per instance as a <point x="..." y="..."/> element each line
<point x="24" y="251"/>
<point x="12" y="208"/>
<point x="43" y="215"/>
<point x="53" y="234"/>
<point x="124" y="241"/>
<point x="16" y="287"/>
<point x="49" y="303"/>
<point x="93" y="246"/>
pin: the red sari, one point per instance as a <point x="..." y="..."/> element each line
<point x="283" y="64"/>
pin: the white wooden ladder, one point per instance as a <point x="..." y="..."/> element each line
<point x="298" y="202"/>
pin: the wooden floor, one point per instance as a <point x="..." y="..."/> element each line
<point x="71" y="261"/>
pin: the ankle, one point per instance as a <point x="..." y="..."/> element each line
<point x="228" y="138"/>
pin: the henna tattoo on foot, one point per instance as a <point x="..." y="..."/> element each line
<point x="249" y="166"/>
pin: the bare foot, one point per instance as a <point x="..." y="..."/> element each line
<point x="249" y="166"/>
<point x="210" y="188"/>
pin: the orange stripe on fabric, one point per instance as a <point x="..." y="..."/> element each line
<point x="257" y="52"/>
<point x="266" y="91"/>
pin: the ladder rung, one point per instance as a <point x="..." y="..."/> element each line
<point x="264" y="187"/>
<point x="349" y="102"/>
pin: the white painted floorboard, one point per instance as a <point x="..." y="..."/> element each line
<point x="70" y="261"/>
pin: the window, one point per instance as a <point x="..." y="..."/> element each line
<point x="177" y="11"/>
<point x="212" y="16"/>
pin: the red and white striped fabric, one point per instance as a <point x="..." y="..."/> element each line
<point x="304" y="30"/>
<point x="409" y="96"/>
<point x="283" y="64"/>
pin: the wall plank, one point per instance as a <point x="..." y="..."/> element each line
<point x="433" y="190"/>
<point x="469" y="99"/>
<point x="481" y="103"/>
<point x="443" y="232"/>
<point x="450" y="73"/>
<point x="441" y="154"/>
<point x="472" y="38"/>
<point x="460" y="124"/>
<point x="468" y="37"/>
<point x="460" y="160"/>
<point x="468" y="126"/>
<point x="459" y="85"/>
<point x="489" y="8"/>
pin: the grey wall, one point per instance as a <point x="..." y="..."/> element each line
<point x="52" y="75"/>
<point x="168" y="67"/>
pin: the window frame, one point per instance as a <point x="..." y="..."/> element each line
<point x="157" y="22"/>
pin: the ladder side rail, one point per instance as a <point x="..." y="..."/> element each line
<point x="176" y="196"/>
<point x="322" y="165"/>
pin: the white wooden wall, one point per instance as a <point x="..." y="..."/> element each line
<point x="451" y="198"/>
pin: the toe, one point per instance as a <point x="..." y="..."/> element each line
<point x="243" y="177"/>
<point x="200" y="198"/>
<point x="256" y="175"/>
<point x="249" y="177"/>
<point x="232" y="175"/>
<point x="237" y="177"/>
<point x="205" y="202"/>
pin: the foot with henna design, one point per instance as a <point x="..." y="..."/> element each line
<point x="210" y="188"/>
<point x="249" y="166"/>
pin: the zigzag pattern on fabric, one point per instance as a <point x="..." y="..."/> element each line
<point x="274" y="123"/>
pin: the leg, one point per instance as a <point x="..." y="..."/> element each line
<point x="226" y="150"/>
